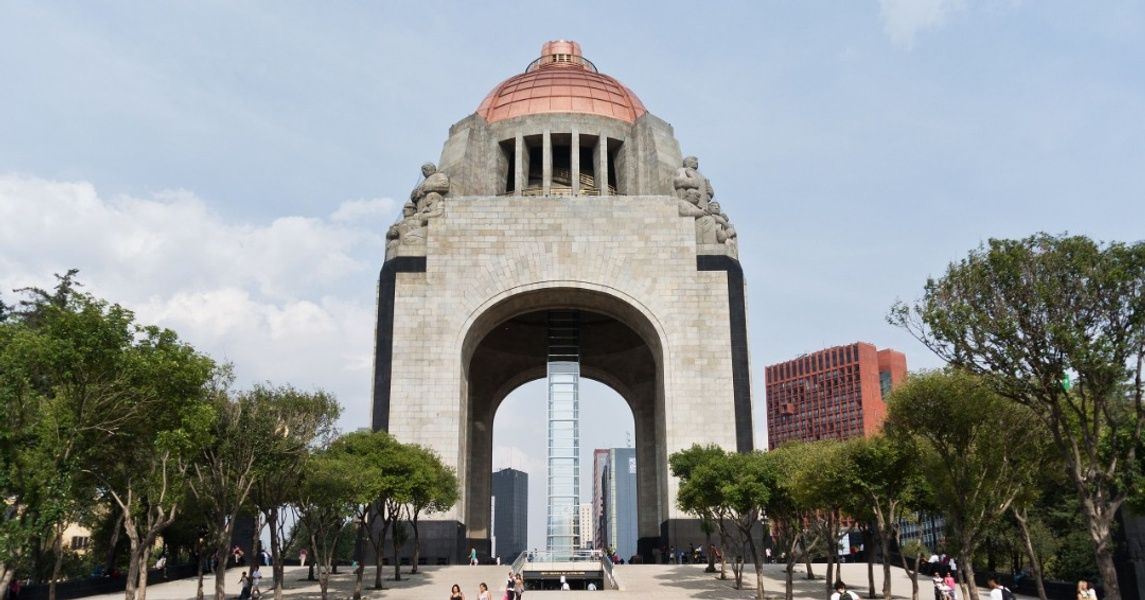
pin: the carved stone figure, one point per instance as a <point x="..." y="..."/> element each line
<point x="688" y="177"/>
<point x="725" y="233"/>
<point x="695" y="195"/>
<point x="428" y="194"/>
<point x="409" y="231"/>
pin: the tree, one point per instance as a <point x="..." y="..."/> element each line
<point x="433" y="489"/>
<point x="101" y="407"/>
<point x="298" y="420"/>
<point x="787" y="516"/>
<point x="1057" y="324"/>
<point x="326" y="507"/>
<point x="731" y="488"/>
<point x="256" y="432"/>
<point x="822" y="484"/>
<point x="882" y="471"/>
<point x="971" y="450"/>
<point x="367" y="453"/>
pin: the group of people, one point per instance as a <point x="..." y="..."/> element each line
<point x="249" y="584"/>
<point x="514" y="589"/>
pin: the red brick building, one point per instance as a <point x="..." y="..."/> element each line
<point x="835" y="393"/>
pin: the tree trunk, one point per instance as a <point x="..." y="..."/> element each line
<point x="791" y="560"/>
<point x="276" y="566"/>
<point x="6" y="576"/>
<point x="869" y="551"/>
<point x="885" y="549"/>
<point x="360" y="569"/>
<point x="396" y="547"/>
<point x="199" y="573"/>
<point x="132" y="563"/>
<point x="416" y="546"/>
<point x="1108" y="571"/>
<point x="711" y="568"/>
<point x="58" y="555"/>
<point x="324" y="571"/>
<point x="757" y="560"/>
<point x="807" y="560"/>
<point x="966" y="572"/>
<point x="109" y="559"/>
<point x="144" y="561"/>
<point x="221" y="570"/>
<point x="379" y="550"/>
<point x="1021" y="516"/>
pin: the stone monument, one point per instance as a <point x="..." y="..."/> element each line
<point x="562" y="193"/>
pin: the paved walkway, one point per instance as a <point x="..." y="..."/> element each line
<point x="638" y="582"/>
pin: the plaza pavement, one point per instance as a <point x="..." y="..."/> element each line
<point x="638" y="582"/>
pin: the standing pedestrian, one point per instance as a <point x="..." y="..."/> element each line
<point x="483" y="592"/>
<point x="244" y="587"/>
<point x="255" y="581"/>
<point x="455" y="593"/>
<point x="472" y="557"/>
<point x="519" y="587"/>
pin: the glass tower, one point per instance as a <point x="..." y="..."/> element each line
<point x="564" y="433"/>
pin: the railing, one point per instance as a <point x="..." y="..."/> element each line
<point x="606" y="568"/>
<point x="519" y="562"/>
<point x="574" y="556"/>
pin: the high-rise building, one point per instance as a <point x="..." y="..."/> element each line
<point x="586" y="526"/>
<point x="614" y="492"/>
<point x="836" y="393"/>
<point x="510" y="499"/>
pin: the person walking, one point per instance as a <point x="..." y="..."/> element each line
<point x="244" y="586"/>
<point x="472" y="557"/>
<point x="455" y="593"/>
<point x="952" y="585"/>
<point x="255" y="581"/>
<point x="519" y="588"/>
<point x="999" y="591"/>
<point x="510" y="586"/>
<point x="483" y="592"/>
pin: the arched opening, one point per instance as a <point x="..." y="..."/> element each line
<point x="505" y="347"/>
<point x="606" y="423"/>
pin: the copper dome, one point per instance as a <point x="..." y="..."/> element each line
<point x="561" y="81"/>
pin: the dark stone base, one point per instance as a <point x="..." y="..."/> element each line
<point x="442" y="543"/>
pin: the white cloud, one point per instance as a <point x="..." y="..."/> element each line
<point x="290" y="301"/>
<point x="902" y="19"/>
<point x="365" y="210"/>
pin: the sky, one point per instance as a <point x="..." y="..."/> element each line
<point x="228" y="170"/>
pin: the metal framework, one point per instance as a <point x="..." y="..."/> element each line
<point x="564" y="432"/>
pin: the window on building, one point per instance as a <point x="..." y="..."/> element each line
<point x="80" y="542"/>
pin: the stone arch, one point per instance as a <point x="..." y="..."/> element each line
<point x="502" y="346"/>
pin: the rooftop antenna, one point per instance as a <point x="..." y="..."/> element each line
<point x="628" y="439"/>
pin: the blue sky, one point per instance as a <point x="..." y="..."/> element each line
<point x="228" y="169"/>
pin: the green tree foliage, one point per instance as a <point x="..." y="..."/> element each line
<point x="327" y="504"/>
<point x="1056" y="324"/>
<point x="252" y="435"/>
<point x="730" y="489"/>
<point x="972" y="450"/>
<point x="788" y="515"/>
<point x="882" y="471"/>
<point x="294" y="422"/>
<point x="369" y="454"/>
<point x="434" y="488"/>
<point x="101" y="407"/>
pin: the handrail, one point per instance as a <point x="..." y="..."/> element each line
<point x="606" y="568"/>
<point x="519" y="562"/>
